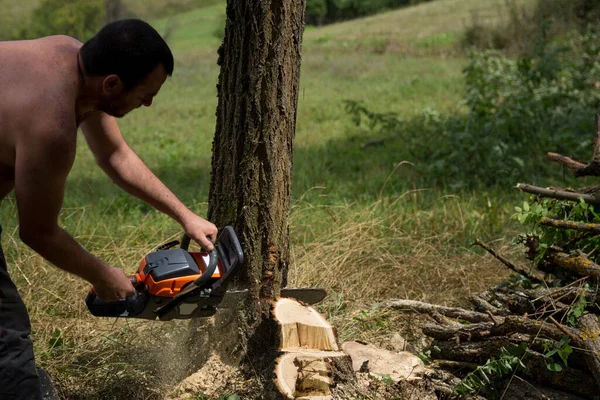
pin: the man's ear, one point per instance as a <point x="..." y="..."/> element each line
<point x="112" y="85"/>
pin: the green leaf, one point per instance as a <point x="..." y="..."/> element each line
<point x="564" y="353"/>
<point x="554" y="367"/>
<point x="550" y="353"/>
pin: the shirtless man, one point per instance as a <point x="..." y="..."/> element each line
<point x="51" y="87"/>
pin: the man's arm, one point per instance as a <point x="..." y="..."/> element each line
<point x="41" y="167"/>
<point x="130" y="173"/>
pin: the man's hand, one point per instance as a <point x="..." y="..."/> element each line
<point x="113" y="285"/>
<point x="201" y="231"/>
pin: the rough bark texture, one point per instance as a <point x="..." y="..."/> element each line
<point x="253" y="144"/>
<point x="590" y="334"/>
<point x="252" y="168"/>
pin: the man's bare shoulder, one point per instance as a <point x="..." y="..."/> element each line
<point x="40" y="79"/>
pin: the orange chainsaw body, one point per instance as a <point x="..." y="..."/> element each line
<point x="170" y="287"/>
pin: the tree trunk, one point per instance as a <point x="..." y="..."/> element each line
<point x="252" y="157"/>
<point x="253" y="146"/>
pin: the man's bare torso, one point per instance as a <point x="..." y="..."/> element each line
<point x="38" y="86"/>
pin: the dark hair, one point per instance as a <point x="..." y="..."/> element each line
<point x="129" y="48"/>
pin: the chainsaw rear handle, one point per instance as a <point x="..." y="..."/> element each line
<point x="129" y="306"/>
<point x="185" y="241"/>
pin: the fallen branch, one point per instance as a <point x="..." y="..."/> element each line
<point x="566" y="161"/>
<point x="579" y="168"/>
<point x="596" y="152"/>
<point x="518" y="269"/>
<point x="483" y="305"/>
<point x="590" y="335"/>
<point x="426" y="308"/>
<point x="579" y="264"/>
<point x="506" y="326"/>
<point x="558" y="194"/>
<point x="578" y="226"/>
<point x="570" y="379"/>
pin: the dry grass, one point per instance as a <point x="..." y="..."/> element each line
<point x="396" y="248"/>
<point x="368" y="255"/>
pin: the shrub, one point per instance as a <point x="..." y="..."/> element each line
<point x="79" y="19"/>
<point x="518" y="109"/>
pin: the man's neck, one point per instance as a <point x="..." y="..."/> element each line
<point x="85" y="92"/>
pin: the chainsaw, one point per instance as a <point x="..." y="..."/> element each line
<point x="174" y="283"/>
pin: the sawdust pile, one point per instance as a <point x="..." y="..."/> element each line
<point x="214" y="379"/>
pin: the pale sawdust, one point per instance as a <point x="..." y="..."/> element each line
<point x="215" y="378"/>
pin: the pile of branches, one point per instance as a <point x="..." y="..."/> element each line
<point x="537" y="335"/>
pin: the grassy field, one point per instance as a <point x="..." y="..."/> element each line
<point x="363" y="226"/>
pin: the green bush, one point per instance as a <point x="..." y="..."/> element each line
<point x="79" y="19"/>
<point x="518" y="110"/>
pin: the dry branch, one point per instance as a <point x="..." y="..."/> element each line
<point x="506" y="326"/>
<point x="578" y="264"/>
<point x="596" y="153"/>
<point x="520" y="389"/>
<point x="566" y="161"/>
<point x="579" y="168"/>
<point x="558" y="194"/>
<point x="590" y="335"/>
<point x="483" y="305"/>
<point x="578" y="226"/>
<point x="426" y="308"/>
<point x="570" y="380"/>
<point x="518" y="269"/>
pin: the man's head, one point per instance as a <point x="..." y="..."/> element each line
<point x="133" y="61"/>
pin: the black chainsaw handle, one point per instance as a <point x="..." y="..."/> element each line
<point x="213" y="260"/>
<point x="185" y="241"/>
<point x="131" y="305"/>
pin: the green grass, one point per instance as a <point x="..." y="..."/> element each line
<point x="362" y="225"/>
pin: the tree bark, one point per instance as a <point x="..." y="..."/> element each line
<point x="590" y="335"/>
<point x="578" y="264"/>
<point x="558" y="194"/>
<point x="251" y="175"/>
<point x="253" y="145"/>
<point x="426" y="308"/>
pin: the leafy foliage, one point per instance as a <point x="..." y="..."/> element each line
<point x="568" y="240"/>
<point x="562" y="350"/>
<point x="487" y="377"/>
<point x="78" y="19"/>
<point x="517" y="110"/>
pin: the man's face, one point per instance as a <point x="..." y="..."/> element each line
<point x="141" y="95"/>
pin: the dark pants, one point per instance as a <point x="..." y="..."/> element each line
<point x="19" y="378"/>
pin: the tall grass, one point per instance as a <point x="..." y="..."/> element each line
<point x="416" y="245"/>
